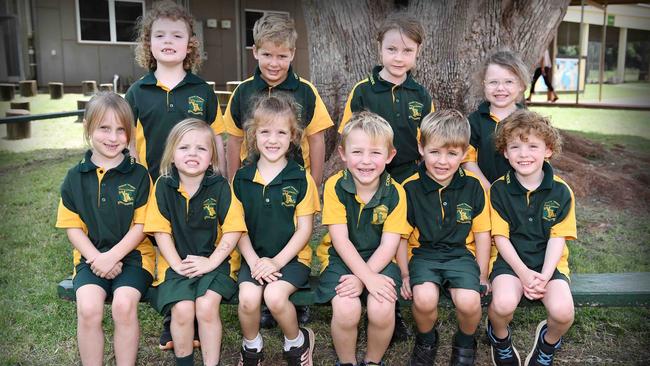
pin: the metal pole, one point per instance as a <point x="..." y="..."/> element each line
<point x="602" y="55"/>
<point x="582" y="19"/>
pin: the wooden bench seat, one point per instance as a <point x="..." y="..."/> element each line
<point x="589" y="289"/>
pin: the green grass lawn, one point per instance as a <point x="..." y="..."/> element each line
<point x="627" y="93"/>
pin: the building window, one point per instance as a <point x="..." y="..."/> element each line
<point x="108" y="21"/>
<point x="251" y="17"/>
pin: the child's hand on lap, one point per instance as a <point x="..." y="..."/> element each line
<point x="405" y="290"/>
<point x="381" y="287"/>
<point x="115" y="271"/>
<point x="196" y="265"/>
<point x="102" y="264"/>
<point x="267" y="270"/>
<point x="349" y="286"/>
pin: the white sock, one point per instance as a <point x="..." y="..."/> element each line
<point x="256" y="343"/>
<point x="291" y="343"/>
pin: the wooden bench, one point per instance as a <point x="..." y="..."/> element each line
<point x="589" y="290"/>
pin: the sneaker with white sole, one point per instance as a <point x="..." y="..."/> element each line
<point x="502" y="353"/>
<point x="302" y="356"/>
<point x="542" y="353"/>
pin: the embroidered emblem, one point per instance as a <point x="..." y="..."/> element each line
<point x="195" y="105"/>
<point x="125" y="193"/>
<point x="379" y="214"/>
<point x="415" y="110"/>
<point x="209" y="209"/>
<point x="299" y="110"/>
<point x="463" y="213"/>
<point x="289" y="196"/>
<point x="550" y="210"/>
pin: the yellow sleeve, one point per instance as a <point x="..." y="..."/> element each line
<point x="481" y="222"/>
<point x="333" y="210"/>
<point x="347" y="112"/>
<point x="567" y="227"/>
<point x="499" y="225"/>
<point x="66" y="218"/>
<point x="228" y="121"/>
<point x="321" y="119"/>
<point x="310" y="202"/>
<point x="472" y="155"/>
<point x="234" y="220"/>
<point x="396" y="221"/>
<point x="218" y="124"/>
<point x="155" y="222"/>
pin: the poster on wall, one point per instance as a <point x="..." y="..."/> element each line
<point x="565" y="76"/>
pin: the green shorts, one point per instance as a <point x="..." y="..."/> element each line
<point x="462" y="272"/>
<point x="329" y="279"/>
<point x="294" y="272"/>
<point x="177" y="288"/>
<point x="132" y="276"/>
<point x="502" y="267"/>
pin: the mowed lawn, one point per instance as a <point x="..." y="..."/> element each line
<point x="37" y="328"/>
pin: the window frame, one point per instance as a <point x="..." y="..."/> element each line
<point x="111" y="22"/>
<point x="264" y="12"/>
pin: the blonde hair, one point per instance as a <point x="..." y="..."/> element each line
<point x="508" y="60"/>
<point x="523" y="123"/>
<point x="270" y="108"/>
<point x="447" y="127"/>
<point x="372" y="124"/>
<point x="96" y="109"/>
<point x="277" y="28"/>
<point x="166" y="10"/>
<point x="175" y="137"/>
<point x="405" y="23"/>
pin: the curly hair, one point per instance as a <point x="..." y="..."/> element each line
<point x="268" y="109"/>
<point x="168" y="10"/>
<point x="523" y="123"/>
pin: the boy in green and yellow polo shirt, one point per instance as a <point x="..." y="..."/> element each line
<point x="365" y="211"/>
<point x="533" y="215"/>
<point x="449" y="248"/>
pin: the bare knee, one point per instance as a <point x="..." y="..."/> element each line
<point x="425" y="305"/>
<point x="90" y="312"/>
<point x="562" y="314"/>
<point x="248" y="303"/>
<point x="183" y="313"/>
<point x="468" y="304"/>
<point x="380" y="314"/>
<point x="503" y="306"/>
<point x="346" y="312"/>
<point x="207" y="311"/>
<point x="124" y="310"/>
<point x="276" y="300"/>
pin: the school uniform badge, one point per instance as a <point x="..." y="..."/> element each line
<point x="463" y="213"/>
<point x="209" y="209"/>
<point x="289" y="196"/>
<point x="550" y="209"/>
<point x="125" y="193"/>
<point x="379" y="214"/>
<point x="195" y="105"/>
<point x="415" y="110"/>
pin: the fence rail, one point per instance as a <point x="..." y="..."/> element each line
<point x="35" y="117"/>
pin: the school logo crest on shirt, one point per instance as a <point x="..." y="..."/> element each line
<point x="415" y="110"/>
<point x="289" y="196"/>
<point x="550" y="210"/>
<point x="209" y="209"/>
<point x="195" y="105"/>
<point x="463" y="213"/>
<point x="379" y="214"/>
<point x="299" y="109"/>
<point x="126" y="193"/>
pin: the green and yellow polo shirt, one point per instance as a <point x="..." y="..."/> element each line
<point x="312" y="114"/>
<point x="271" y="209"/>
<point x="444" y="219"/>
<point x="386" y="212"/>
<point x="403" y="106"/>
<point x="195" y="223"/>
<point x="530" y="218"/>
<point x="482" y="150"/>
<point x="157" y="109"/>
<point x="105" y="204"/>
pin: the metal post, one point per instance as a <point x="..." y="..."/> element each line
<point x="602" y="55"/>
<point x="582" y="19"/>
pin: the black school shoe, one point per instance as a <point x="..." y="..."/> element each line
<point x="250" y="357"/>
<point x="401" y="332"/>
<point x="502" y="353"/>
<point x="266" y="319"/>
<point x="542" y="353"/>
<point x="166" y="342"/>
<point x="461" y="356"/>
<point x="424" y="354"/>
<point x="301" y="356"/>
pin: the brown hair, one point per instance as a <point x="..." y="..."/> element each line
<point x="407" y="24"/>
<point x="174" y="138"/>
<point x="277" y="28"/>
<point x="96" y="109"/>
<point x="523" y="123"/>
<point x="169" y="10"/>
<point x="267" y="109"/>
<point x="508" y="60"/>
<point x="372" y="124"/>
<point x="448" y="127"/>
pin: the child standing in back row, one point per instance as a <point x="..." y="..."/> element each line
<point x="196" y="223"/>
<point x="503" y="77"/>
<point x="276" y="193"/>
<point x="102" y="207"/>
<point x="533" y="215"/>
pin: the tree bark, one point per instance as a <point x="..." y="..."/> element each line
<point x="460" y="35"/>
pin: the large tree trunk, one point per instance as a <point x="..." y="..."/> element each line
<point x="460" y="35"/>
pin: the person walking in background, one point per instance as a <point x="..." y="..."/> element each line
<point x="544" y="70"/>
